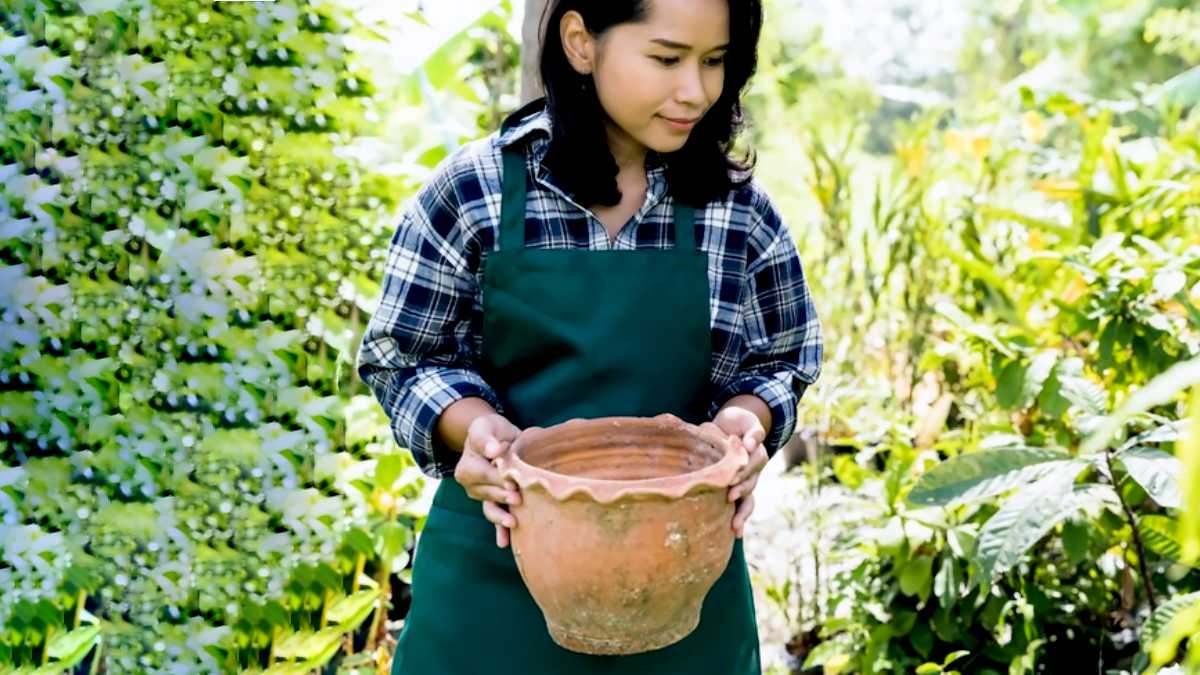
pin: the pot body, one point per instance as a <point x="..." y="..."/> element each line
<point x="624" y="577"/>
<point x="623" y="527"/>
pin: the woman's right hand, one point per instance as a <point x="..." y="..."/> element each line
<point x="488" y="436"/>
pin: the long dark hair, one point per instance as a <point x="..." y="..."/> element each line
<point x="699" y="172"/>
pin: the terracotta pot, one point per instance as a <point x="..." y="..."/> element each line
<point x="623" y="527"/>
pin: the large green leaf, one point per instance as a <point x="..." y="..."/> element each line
<point x="1084" y="394"/>
<point x="1158" y="391"/>
<point x="1189" y="485"/>
<point x="1153" y="628"/>
<point x="986" y="473"/>
<point x="306" y="644"/>
<point x="1158" y="533"/>
<point x="1025" y="518"/>
<point x="1036" y="376"/>
<point x="68" y="649"/>
<point x="1156" y="471"/>
<point x="349" y="612"/>
<point x="1184" y="88"/>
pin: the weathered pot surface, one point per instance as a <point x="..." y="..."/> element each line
<point x="623" y="526"/>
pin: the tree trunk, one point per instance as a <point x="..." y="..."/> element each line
<point x="531" y="85"/>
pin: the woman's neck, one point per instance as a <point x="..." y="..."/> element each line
<point x="627" y="151"/>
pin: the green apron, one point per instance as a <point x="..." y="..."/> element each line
<point x="571" y="333"/>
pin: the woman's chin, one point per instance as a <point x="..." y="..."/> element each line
<point x="667" y="145"/>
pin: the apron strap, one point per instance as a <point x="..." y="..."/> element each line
<point x="512" y="208"/>
<point x="512" y="201"/>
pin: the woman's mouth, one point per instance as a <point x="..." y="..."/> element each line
<point x="682" y="124"/>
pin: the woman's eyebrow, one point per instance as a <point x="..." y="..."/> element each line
<point x="671" y="44"/>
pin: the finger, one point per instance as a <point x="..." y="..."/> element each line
<point x="501" y="536"/>
<point x="752" y="438"/>
<point x="475" y="469"/>
<point x="492" y="493"/>
<point x="739" y="490"/>
<point x="753" y="464"/>
<point x="498" y="514"/>
<point x="743" y="512"/>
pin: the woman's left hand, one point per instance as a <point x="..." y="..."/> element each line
<point x="749" y="431"/>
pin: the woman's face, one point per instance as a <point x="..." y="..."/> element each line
<point x="668" y="67"/>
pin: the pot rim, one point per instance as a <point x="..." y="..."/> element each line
<point x="562" y="486"/>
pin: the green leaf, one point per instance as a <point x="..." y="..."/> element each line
<point x="1158" y="391"/>
<point x="945" y="584"/>
<point x="1189" y="485"/>
<point x="825" y="652"/>
<point x="915" y="576"/>
<point x="927" y="668"/>
<point x="395" y="539"/>
<point x="350" y="611"/>
<point x="1084" y="394"/>
<point x="983" y="474"/>
<point x="1035" y="378"/>
<point x="954" y="656"/>
<point x="387" y="469"/>
<point x="1158" y="532"/>
<point x="848" y="472"/>
<point x="921" y="639"/>
<point x="276" y="614"/>
<point x="1024" y="519"/>
<point x="1184" y="88"/>
<point x="1153" y="628"/>
<point x="1075" y="537"/>
<point x="1009" y="384"/>
<point x="327" y="577"/>
<point x="360" y="541"/>
<point x="306" y="644"/>
<point x="968" y="324"/>
<point x="68" y="649"/>
<point x="1156" y="471"/>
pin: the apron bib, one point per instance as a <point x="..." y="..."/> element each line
<point x="571" y="333"/>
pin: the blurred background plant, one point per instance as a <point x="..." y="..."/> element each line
<point x="195" y="204"/>
<point x="998" y="207"/>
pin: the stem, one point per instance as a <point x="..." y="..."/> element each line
<point x="385" y="573"/>
<point x="1133" y="526"/>
<point x="78" y="609"/>
<point x="325" y="606"/>
<point x="359" y="562"/>
<point x="46" y="645"/>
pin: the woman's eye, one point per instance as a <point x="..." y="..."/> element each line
<point x="716" y="62"/>
<point x="666" y="60"/>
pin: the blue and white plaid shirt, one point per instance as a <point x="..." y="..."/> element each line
<point x="420" y="348"/>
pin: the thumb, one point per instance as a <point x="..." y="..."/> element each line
<point x="494" y="448"/>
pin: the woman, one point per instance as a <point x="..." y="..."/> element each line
<point x="601" y="254"/>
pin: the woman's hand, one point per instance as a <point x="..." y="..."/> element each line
<point x="748" y="429"/>
<point x="487" y="438"/>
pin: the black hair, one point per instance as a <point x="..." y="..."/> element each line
<point x="579" y="157"/>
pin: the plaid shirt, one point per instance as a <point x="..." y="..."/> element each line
<point x="420" y="348"/>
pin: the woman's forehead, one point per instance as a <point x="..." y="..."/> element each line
<point x="698" y="24"/>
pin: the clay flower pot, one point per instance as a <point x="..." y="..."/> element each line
<point x="623" y="526"/>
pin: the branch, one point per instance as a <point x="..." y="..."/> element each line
<point x="1133" y="526"/>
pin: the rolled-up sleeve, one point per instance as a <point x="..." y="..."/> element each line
<point x="780" y="326"/>
<point x="417" y="352"/>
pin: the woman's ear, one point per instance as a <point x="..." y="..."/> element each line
<point x="577" y="42"/>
